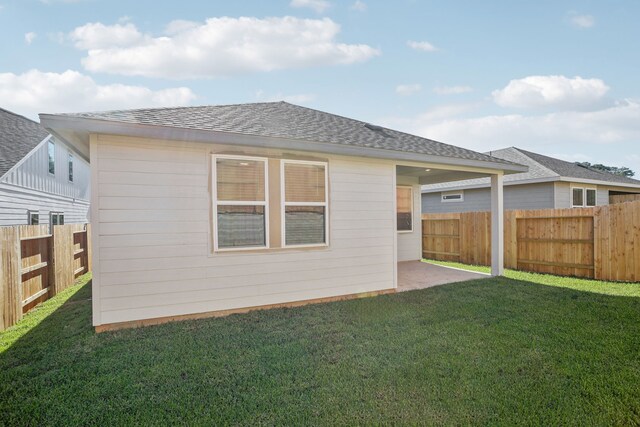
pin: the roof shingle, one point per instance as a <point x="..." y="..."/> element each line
<point x="284" y="120"/>
<point x="18" y="136"/>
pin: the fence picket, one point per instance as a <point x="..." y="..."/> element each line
<point x="601" y="242"/>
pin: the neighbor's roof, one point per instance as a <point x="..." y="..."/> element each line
<point x="288" y="121"/>
<point x="541" y="168"/>
<point x="18" y="136"/>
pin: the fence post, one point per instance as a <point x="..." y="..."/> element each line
<point x="10" y="280"/>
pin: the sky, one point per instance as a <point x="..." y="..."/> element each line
<point x="555" y="77"/>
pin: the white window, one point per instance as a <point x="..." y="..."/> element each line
<point x="51" y="150"/>
<point x="56" y="218"/>
<point x="404" y="209"/>
<point x="583" y="197"/>
<point x="70" y="168"/>
<point x="240" y="202"/>
<point x="452" y="196"/>
<point x="33" y="217"/>
<point x="304" y="203"/>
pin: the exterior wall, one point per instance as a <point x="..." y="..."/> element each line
<point x="152" y="235"/>
<point x="563" y="193"/>
<point x="16" y="201"/>
<point x="30" y="186"/>
<point x="410" y="243"/>
<point x="528" y="196"/>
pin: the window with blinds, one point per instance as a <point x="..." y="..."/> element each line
<point x="240" y="202"/>
<point x="404" y="208"/>
<point x="304" y="199"/>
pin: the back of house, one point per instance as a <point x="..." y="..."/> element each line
<point x="43" y="180"/>
<point x="550" y="183"/>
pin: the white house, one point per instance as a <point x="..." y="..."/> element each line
<point x="43" y="180"/>
<point x="203" y="211"/>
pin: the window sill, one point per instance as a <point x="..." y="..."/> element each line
<point x="265" y="251"/>
<point x="404" y="231"/>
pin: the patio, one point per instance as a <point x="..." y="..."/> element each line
<point x="414" y="275"/>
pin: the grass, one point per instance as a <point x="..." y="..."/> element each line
<point x="492" y="351"/>
<point x="587" y="285"/>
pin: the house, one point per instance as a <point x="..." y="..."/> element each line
<point x="550" y="183"/>
<point x="202" y="211"/>
<point x="42" y="179"/>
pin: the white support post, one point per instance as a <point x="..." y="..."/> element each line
<point x="497" y="225"/>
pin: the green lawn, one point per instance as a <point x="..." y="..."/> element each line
<point x="492" y="351"/>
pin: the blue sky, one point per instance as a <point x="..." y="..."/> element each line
<point x="555" y="77"/>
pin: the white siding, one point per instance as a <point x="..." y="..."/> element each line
<point x="410" y="243"/>
<point x="33" y="173"/>
<point x="16" y="201"/>
<point x="154" y="236"/>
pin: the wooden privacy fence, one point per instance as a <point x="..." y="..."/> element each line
<point x="38" y="263"/>
<point x="621" y="198"/>
<point x="601" y="242"/>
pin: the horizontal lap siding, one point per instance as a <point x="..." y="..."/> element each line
<point x="154" y="237"/>
<point x="16" y="201"/>
<point x="523" y="196"/>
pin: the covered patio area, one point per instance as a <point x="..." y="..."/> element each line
<point x="414" y="275"/>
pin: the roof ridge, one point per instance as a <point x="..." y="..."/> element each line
<point x="526" y="154"/>
<point x="177" y="107"/>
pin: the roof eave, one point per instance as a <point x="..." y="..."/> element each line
<point x="55" y="123"/>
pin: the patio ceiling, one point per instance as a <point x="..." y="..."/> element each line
<point x="434" y="175"/>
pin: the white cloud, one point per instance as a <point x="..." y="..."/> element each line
<point x="359" y="5"/>
<point x="318" y="6"/>
<point x="582" y="21"/>
<point x="30" y="37"/>
<point x="300" y="98"/>
<point x="551" y="91"/>
<point x="608" y="135"/>
<point x="35" y="91"/>
<point x="99" y="36"/>
<point x="423" y="46"/>
<point x="218" y="47"/>
<point x="452" y="90"/>
<point x="410" y="89"/>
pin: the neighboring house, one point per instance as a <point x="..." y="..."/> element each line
<point x="549" y="183"/>
<point x="42" y="179"/>
<point x="198" y="211"/>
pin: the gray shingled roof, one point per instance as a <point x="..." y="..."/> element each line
<point x="284" y="120"/>
<point x="18" y="136"/>
<point x="572" y="170"/>
<point x="540" y="167"/>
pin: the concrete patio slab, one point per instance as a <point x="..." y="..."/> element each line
<point x="414" y="275"/>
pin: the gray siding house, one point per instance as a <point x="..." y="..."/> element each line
<point x="42" y="179"/>
<point x="550" y="183"/>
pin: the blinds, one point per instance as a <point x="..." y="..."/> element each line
<point x="404" y="197"/>
<point x="304" y="182"/>
<point x="240" y="180"/>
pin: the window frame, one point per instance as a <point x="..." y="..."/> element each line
<point x="58" y="214"/>
<point x="51" y="143"/>
<point x="452" y="193"/>
<point x="70" y="168"/>
<point x="215" y="202"/>
<point x="584" y="197"/>
<point x="30" y="214"/>
<point x="412" y="209"/>
<point x="284" y="203"/>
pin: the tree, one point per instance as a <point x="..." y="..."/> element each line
<point x="621" y="171"/>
